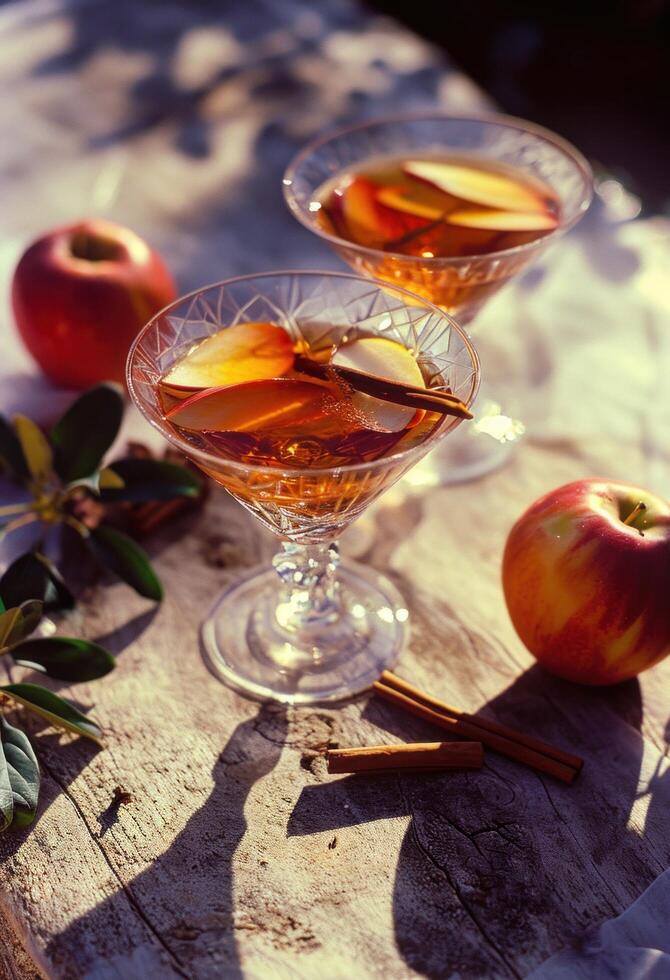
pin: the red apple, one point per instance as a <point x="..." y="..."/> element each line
<point x="586" y="576"/>
<point x="80" y="295"/>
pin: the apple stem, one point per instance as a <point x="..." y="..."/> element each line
<point x="94" y="248"/>
<point x="639" y="508"/>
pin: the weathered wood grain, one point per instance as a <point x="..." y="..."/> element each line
<point x="238" y="852"/>
<point x="15" y="962"/>
<point x="237" y="855"/>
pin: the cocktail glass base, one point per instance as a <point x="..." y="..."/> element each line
<point x="250" y="644"/>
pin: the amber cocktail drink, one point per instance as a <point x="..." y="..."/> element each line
<point x="437" y="207"/>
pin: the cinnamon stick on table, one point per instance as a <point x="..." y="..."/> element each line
<point x="418" y="756"/>
<point x="508" y="742"/>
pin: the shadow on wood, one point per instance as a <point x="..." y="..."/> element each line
<point x="476" y="891"/>
<point x="118" y="639"/>
<point x="187" y="892"/>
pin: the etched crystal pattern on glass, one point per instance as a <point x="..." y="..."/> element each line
<point x="461" y="285"/>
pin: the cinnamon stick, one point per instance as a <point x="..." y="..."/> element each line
<point x="418" y="756"/>
<point x="469" y="729"/>
<point x="413" y="396"/>
<point x="413" y="233"/>
<point x="567" y="758"/>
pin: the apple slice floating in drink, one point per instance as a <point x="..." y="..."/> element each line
<point x="436" y="216"/>
<point x="314" y="405"/>
<point x="368" y="220"/>
<point x="400" y="199"/>
<point x="478" y="229"/>
<point x="360" y="213"/>
<point x="494" y="220"/>
<point x="437" y="208"/>
<point x="255" y="406"/>
<point x="490" y="190"/>
<point x="244" y="352"/>
<point x="383" y="358"/>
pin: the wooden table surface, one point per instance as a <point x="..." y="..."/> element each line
<point x="237" y="854"/>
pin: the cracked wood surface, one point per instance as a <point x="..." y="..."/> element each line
<point x="239" y="856"/>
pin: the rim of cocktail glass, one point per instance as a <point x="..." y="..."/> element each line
<point x="213" y="461"/>
<point x="512" y="122"/>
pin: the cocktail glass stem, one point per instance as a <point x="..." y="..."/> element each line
<point x="309" y="598"/>
<point x="315" y="629"/>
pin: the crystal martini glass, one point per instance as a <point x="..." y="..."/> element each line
<point x="220" y="374"/>
<point x="452" y="208"/>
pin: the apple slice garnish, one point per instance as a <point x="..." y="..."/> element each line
<point x="399" y="199"/>
<point x="491" y="190"/>
<point x="254" y="406"/>
<point x="367" y="220"/>
<point x="383" y="358"/>
<point x="494" y="220"/>
<point x="245" y="352"/>
<point x="361" y="213"/>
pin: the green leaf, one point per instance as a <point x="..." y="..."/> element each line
<point x="126" y="559"/>
<point x="19" y="778"/>
<point x="8" y="621"/>
<point x="33" y="576"/>
<point x="19" y="622"/>
<point x="86" y="431"/>
<point x="96" y="481"/>
<point x="11" y="453"/>
<point x="65" y="658"/>
<point x="2" y="605"/>
<point x="151" y="479"/>
<point x="57" y="711"/>
<point x="35" y="446"/>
